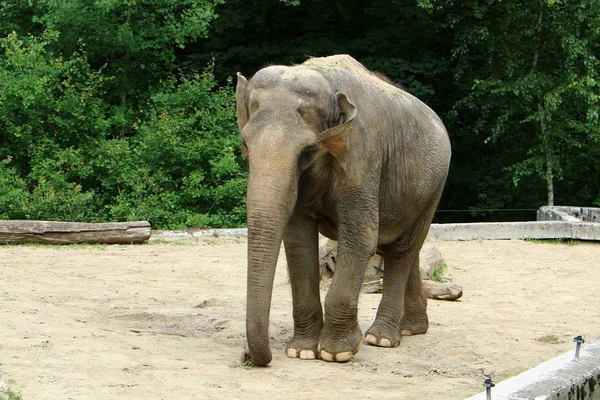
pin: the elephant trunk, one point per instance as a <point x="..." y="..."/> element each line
<point x="271" y="200"/>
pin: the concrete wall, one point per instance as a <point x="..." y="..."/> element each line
<point x="559" y="378"/>
<point x="473" y="231"/>
<point x="553" y="223"/>
<point x="569" y="214"/>
<point x="516" y="230"/>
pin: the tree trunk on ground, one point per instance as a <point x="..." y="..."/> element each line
<point x="433" y="290"/>
<point x="53" y="232"/>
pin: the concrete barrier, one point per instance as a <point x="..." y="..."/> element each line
<point x="471" y="231"/>
<point x="568" y="213"/>
<point x="558" y="378"/>
<point x="197" y="234"/>
<point x="516" y="230"/>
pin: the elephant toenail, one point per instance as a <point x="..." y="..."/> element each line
<point x="344" y="357"/>
<point x="307" y="355"/>
<point x="292" y="353"/>
<point x="327" y="356"/>
<point x="371" y="339"/>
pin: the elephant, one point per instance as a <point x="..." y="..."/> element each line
<point x="334" y="148"/>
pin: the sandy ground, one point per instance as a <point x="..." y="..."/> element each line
<point x="166" y="321"/>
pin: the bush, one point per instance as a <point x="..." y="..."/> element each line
<point x="184" y="162"/>
<point x="13" y="192"/>
<point x="64" y="158"/>
<point x="51" y="116"/>
<point x="182" y="168"/>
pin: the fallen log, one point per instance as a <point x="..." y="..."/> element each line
<point x="442" y="291"/>
<point x="433" y="290"/>
<point x="55" y="232"/>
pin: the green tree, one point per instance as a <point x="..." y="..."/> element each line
<point x="51" y="114"/>
<point x="101" y="120"/>
<point x="103" y="115"/>
<point x="530" y="74"/>
<point x="134" y="42"/>
<point x="183" y="166"/>
<point x="396" y="38"/>
<point x="180" y="167"/>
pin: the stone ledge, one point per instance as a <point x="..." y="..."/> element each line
<point x="568" y="214"/>
<point x="470" y="231"/>
<point x="516" y="230"/>
<point x="558" y="378"/>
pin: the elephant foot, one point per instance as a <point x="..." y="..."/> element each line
<point x="343" y="356"/>
<point x="333" y="348"/>
<point x="302" y="354"/>
<point x="414" y="325"/>
<point x="383" y="336"/>
<point x="302" y="348"/>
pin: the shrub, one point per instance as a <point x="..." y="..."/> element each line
<point x="64" y="157"/>
<point x="182" y="168"/>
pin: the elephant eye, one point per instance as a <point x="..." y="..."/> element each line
<point x="308" y="151"/>
<point x="307" y="156"/>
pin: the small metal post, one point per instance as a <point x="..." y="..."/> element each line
<point x="488" y="388"/>
<point x="579" y="340"/>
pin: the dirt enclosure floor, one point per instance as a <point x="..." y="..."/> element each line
<point x="166" y="321"/>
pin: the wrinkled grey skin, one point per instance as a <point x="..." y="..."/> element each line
<point x="334" y="149"/>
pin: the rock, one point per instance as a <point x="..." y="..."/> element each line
<point x="3" y="390"/>
<point x="327" y="252"/>
<point x="373" y="286"/>
<point x="442" y="290"/>
<point x="374" y="268"/>
<point x="430" y="259"/>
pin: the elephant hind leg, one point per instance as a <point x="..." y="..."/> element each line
<point x="403" y="306"/>
<point x="415" y="320"/>
<point x="385" y="331"/>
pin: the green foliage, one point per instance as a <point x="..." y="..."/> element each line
<point x="50" y="114"/>
<point x="56" y="174"/>
<point x="183" y="166"/>
<point x="14" y="395"/>
<point x="13" y="192"/>
<point x="104" y="115"/>
<point x="532" y="90"/>
<point x="568" y="242"/>
<point x="439" y="274"/>
<point x="11" y="393"/>
<point x="61" y="157"/>
<point x="393" y="38"/>
<point x="136" y="40"/>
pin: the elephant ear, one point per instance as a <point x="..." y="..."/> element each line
<point x="336" y="139"/>
<point x="240" y="105"/>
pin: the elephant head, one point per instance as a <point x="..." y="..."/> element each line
<point x="291" y="122"/>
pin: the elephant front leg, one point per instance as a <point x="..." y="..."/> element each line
<point x="302" y="253"/>
<point x="341" y="336"/>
